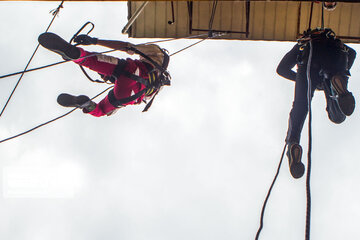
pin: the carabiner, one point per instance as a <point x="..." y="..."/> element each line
<point x="78" y="32"/>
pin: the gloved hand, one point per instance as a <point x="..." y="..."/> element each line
<point x="85" y="40"/>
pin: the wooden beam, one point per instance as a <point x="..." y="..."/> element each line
<point x="348" y="1"/>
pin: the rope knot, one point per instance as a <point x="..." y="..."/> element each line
<point x="56" y="11"/>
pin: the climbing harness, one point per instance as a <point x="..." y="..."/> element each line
<point x="157" y="78"/>
<point x="55" y="13"/>
<point x="317" y="34"/>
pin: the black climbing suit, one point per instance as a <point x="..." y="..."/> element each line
<point x="327" y="60"/>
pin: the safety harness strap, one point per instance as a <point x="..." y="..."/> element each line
<point x="137" y="78"/>
<point x="120" y="102"/>
<point x="320" y="35"/>
<point x="152" y="84"/>
<point x="119" y="70"/>
<point x="150" y="103"/>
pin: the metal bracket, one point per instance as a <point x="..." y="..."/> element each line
<point x="134" y="17"/>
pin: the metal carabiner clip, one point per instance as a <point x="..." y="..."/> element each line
<point x="78" y="32"/>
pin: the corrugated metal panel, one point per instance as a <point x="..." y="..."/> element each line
<point x="268" y="20"/>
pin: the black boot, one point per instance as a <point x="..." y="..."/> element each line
<point x="58" y="45"/>
<point x="82" y="101"/>
<point x="332" y="107"/>
<point x="345" y="98"/>
<point x="294" y="154"/>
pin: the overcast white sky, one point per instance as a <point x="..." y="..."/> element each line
<point x="196" y="166"/>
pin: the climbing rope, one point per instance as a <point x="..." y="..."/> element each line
<point x="268" y="195"/>
<point x="308" y="174"/>
<point x="173" y="39"/>
<point x="54" y="12"/>
<point x="213" y="11"/>
<point x="52" y="64"/>
<point x="311" y="14"/>
<point x="308" y="191"/>
<point x="208" y="37"/>
<point x="187" y="47"/>
<point x="50" y="121"/>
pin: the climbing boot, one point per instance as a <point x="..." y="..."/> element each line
<point x="345" y="98"/>
<point x="58" y="45"/>
<point x="82" y="101"/>
<point x="294" y="153"/>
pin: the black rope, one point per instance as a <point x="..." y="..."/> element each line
<point x="172" y="14"/>
<point x="187" y="47"/>
<point x="195" y="36"/>
<point x="209" y="37"/>
<point x="213" y="11"/>
<point x="90" y="79"/>
<point x="268" y="195"/>
<point x="55" y="13"/>
<point x="172" y="39"/>
<point x="308" y="190"/>
<point x="322" y="16"/>
<point x="32" y="69"/>
<point x="52" y="64"/>
<point x="311" y="14"/>
<point x="50" y="121"/>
